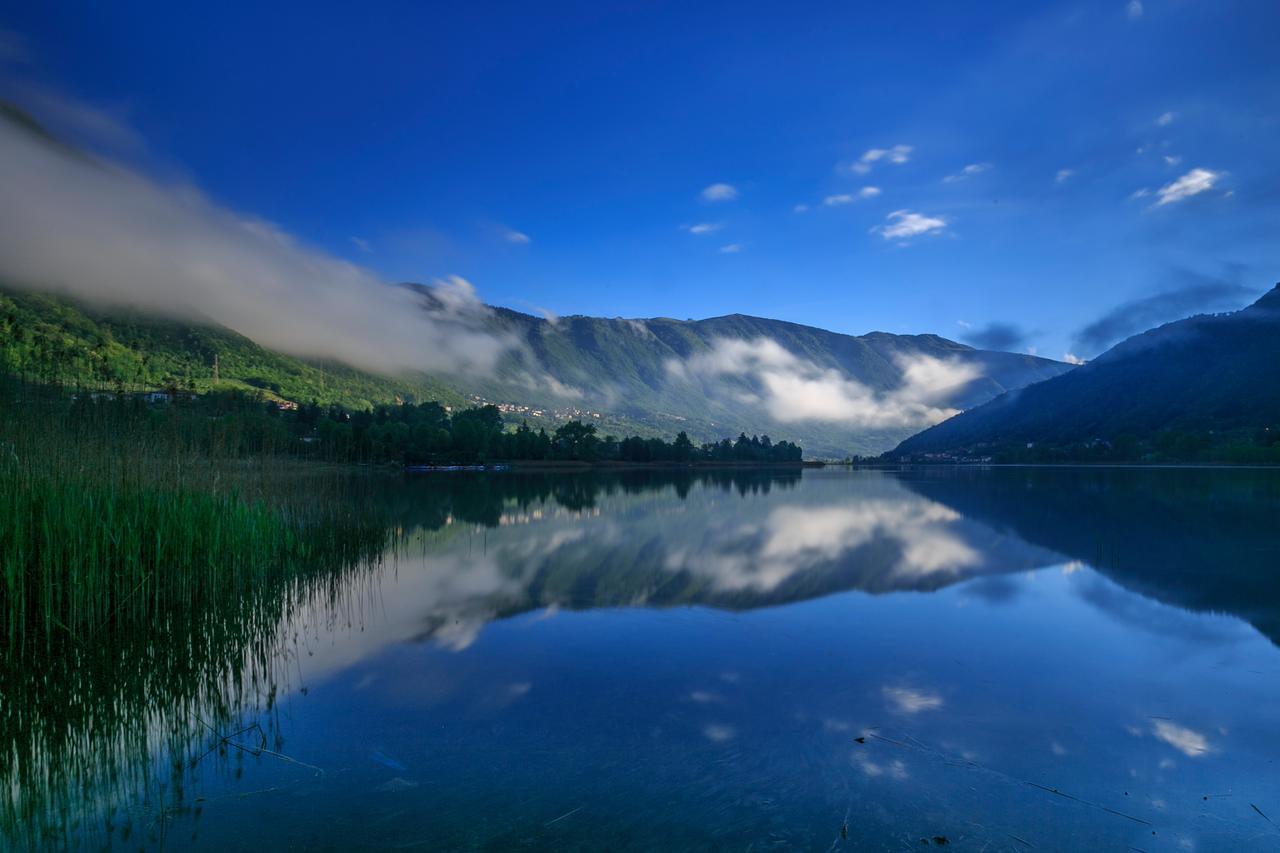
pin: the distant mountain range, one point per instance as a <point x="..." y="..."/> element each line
<point x="724" y="375"/>
<point x="834" y="394"/>
<point x="628" y="376"/>
<point x="1174" y="392"/>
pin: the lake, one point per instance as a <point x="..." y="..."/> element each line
<point x="998" y="659"/>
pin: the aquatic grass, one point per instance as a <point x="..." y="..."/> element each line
<point x="146" y="568"/>
<point x="110" y="515"/>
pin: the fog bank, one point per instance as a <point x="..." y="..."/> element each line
<point x="95" y="230"/>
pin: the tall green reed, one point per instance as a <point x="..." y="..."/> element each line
<point x="147" y="565"/>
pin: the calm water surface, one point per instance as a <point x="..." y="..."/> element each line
<point x="1012" y="659"/>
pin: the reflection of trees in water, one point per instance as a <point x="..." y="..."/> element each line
<point x="88" y="726"/>
<point x="431" y="500"/>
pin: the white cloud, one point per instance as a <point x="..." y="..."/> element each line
<point x="791" y="388"/>
<point x="720" y="192"/>
<point x="850" y="198"/>
<point x="1063" y="174"/>
<point x="801" y="208"/>
<point x="905" y="224"/>
<point x="1172" y="159"/>
<point x="1072" y="358"/>
<point x="362" y="244"/>
<point x="897" y="155"/>
<point x="702" y="227"/>
<point x="102" y="232"/>
<point x="718" y="733"/>
<point x="1166" y="119"/>
<point x="513" y="236"/>
<point x="731" y="249"/>
<point x="907" y="700"/>
<point x="1192" y="183"/>
<point x="1141" y="192"/>
<point x="1187" y="741"/>
<point x="967" y="172"/>
<point x="1134" y="9"/>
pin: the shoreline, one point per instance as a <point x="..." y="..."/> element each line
<point x="571" y="465"/>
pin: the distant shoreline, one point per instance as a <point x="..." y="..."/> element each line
<point x="1172" y="465"/>
<point x="554" y="465"/>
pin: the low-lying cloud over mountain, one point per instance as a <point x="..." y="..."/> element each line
<point x="794" y="389"/>
<point x="97" y="230"/>
<point x="100" y="231"/>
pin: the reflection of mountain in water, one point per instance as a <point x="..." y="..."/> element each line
<point x="1204" y="540"/>
<point x="670" y="540"/>
<point x="90" y="726"/>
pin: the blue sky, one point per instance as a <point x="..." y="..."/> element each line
<point x="1120" y="153"/>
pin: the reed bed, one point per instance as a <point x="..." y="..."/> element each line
<point x="111" y="513"/>
<point x="147" y="563"/>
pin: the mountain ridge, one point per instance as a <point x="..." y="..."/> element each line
<point x="635" y="367"/>
<point x="622" y="373"/>
<point x="1171" y="393"/>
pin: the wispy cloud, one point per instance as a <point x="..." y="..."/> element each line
<point x="905" y="224"/>
<point x="792" y="388"/>
<point x="720" y="192"/>
<point x="896" y="155"/>
<point x="1063" y="175"/>
<point x="801" y="208"/>
<point x="1189" y="742"/>
<point x="513" y="236"/>
<point x="1195" y="293"/>
<point x="1134" y="9"/>
<point x="1172" y="159"/>
<point x="850" y="198"/>
<point x="1166" y="119"/>
<point x="967" y="172"/>
<point x="702" y="227"/>
<point x="731" y="249"/>
<point x="103" y="232"/>
<point x="908" y="700"/>
<point x="1072" y="358"/>
<point x="104" y="130"/>
<point x="362" y="244"/>
<point x="1006" y="337"/>
<point x="1191" y="184"/>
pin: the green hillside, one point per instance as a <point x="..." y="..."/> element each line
<point x="57" y="340"/>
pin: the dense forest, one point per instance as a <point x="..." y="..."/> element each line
<point x="240" y="424"/>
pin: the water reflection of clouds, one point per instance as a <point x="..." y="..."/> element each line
<point x="792" y="539"/>
<point x="910" y="700"/>
<point x="1188" y="741"/>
